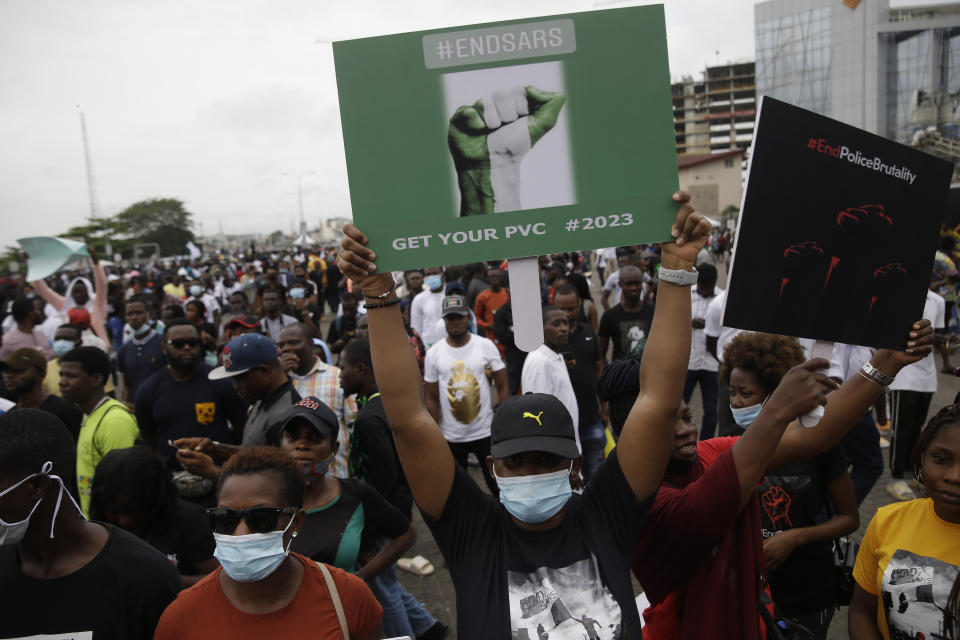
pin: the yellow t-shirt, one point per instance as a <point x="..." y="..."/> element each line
<point x="175" y="290"/>
<point x="909" y="559"/>
<point x="110" y="426"/>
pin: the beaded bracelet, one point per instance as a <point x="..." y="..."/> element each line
<point x="378" y="305"/>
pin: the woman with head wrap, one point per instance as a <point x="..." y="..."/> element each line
<point x="81" y="294"/>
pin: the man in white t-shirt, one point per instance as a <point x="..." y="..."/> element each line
<point x="703" y="366"/>
<point x="425" y="309"/>
<point x="545" y="369"/>
<point x="458" y="394"/>
<point x="911" y="393"/>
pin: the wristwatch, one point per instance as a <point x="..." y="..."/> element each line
<point x="679" y="277"/>
<point x="873" y="374"/>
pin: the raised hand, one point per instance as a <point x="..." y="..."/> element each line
<point x="356" y="262"/>
<point x="801" y="390"/>
<point x="488" y="139"/>
<point x="690" y="232"/>
<point x="919" y="345"/>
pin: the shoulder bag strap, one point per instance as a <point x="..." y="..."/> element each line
<point x="96" y="429"/>
<point x="335" y="596"/>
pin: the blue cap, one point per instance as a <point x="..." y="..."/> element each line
<point x="243" y="353"/>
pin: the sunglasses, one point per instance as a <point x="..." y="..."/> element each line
<point x="180" y="343"/>
<point x="258" y="519"/>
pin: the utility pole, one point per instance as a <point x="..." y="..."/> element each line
<point x="299" y="177"/>
<point x="91" y="185"/>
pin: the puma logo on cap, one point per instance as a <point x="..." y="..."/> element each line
<point x="527" y="414"/>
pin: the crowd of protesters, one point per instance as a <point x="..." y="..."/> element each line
<point x="232" y="447"/>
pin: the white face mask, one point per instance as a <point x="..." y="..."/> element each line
<point x="13" y="533"/>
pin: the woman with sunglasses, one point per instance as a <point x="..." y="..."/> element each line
<point x="343" y="516"/>
<point x="262" y="590"/>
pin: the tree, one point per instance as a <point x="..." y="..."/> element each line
<point x="161" y="220"/>
<point x="99" y="231"/>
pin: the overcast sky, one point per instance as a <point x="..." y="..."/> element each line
<point x="211" y="102"/>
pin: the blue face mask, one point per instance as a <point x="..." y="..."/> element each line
<point x="253" y="556"/>
<point x="745" y="416"/>
<point x="62" y="347"/>
<point x="297" y="294"/>
<point x="196" y="290"/>
<point x="433" y="282"/>
<point x="535" y="498"/>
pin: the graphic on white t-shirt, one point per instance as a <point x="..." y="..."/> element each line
<point x="463" y="392"/>
<point x="914" y="592"/>
<point x="570" y="603"/>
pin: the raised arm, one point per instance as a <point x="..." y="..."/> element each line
<point x="49" y="296"/>
<point x="848" y="403"/>
<point x="648" y="433"/>
<point x="423" y="451"/>
<point x="98" y="317"/>
<point x="799" y="391"/>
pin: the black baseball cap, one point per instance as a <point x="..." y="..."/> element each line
<point x="316" y="413"/>
<point x="532" y="422"/>
<point x="454" y="304"/>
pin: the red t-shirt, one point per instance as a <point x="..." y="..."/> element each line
<point x="699" y="557"/>
<point x="203" y="611"/>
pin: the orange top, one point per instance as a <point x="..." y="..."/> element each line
<point x="203" y="610"/>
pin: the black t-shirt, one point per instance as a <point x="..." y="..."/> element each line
<point x="333" y="279"/>
<point x="373" y="456"/>
<point x="188" y="539"/>
<point x="316" y="277"/>
<point x="791" y="498"/>
<point x="570" y="580"/>
<point x="627" y="330"/>
<point x="70" y="414"/>
<point x="335" y="534"/>
<point x="119" y="594"/>
<point x="503" y="330"/>
<point x="342" y="327"/>
<point x="585" y="350"/>
<point x="197" y="407"/>
<point x="137" y="362"/>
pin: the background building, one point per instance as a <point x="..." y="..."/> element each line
<point x="893" y="72"/>
<point x="714" y="182"/>
<point x="716" y="113"/>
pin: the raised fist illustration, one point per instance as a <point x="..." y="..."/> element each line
<point x="776" y="502"/>
<point x="489" y="138"/>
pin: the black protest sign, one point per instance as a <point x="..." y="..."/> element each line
<point x="837" y="233"/>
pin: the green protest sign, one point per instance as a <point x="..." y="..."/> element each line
<point x="510" y="139"/>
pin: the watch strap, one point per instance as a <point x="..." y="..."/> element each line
<point x="680" y="277"/>
<point x="873" y="374"/>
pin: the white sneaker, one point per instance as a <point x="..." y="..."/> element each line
<point x="900" y="490"/>
<point x="884" y="443"/>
